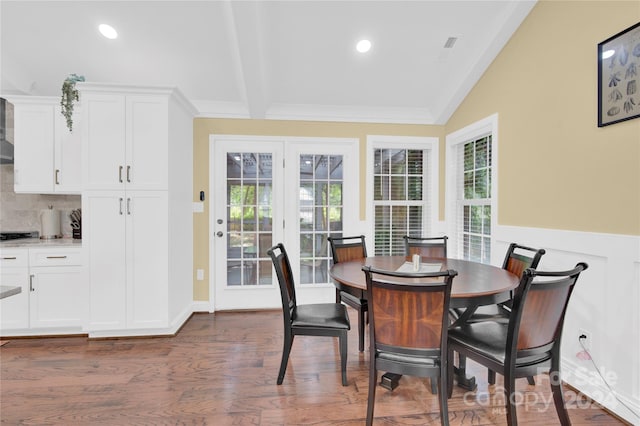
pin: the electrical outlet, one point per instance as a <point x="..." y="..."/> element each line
<point x="587" y="340"/>
<point x="200" y="274"/>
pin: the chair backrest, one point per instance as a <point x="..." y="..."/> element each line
<point x="282" y="266"/>
<point x="427" y="247"/>
<point x="409" y="318"/>
<point x="519" y="258"/>
<point x="538" y="310"/>
<point x="344" y="249"/>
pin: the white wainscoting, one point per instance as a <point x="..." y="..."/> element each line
<point x="605" y="303"/>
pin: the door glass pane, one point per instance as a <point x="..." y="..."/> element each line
<point x="320" y="197"/>
<point x="249" y="219"/>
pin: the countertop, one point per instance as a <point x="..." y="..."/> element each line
<point x="37" y="242"/>
<point x="6" y="291"/>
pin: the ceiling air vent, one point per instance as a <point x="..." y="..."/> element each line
<point x="450" y="42"/>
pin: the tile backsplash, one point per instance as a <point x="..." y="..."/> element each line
<point x="21" y="212"/>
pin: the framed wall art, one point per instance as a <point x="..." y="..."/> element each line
<point x="618" y="77"/>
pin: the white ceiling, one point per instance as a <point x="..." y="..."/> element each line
<point x="266" y="59"/>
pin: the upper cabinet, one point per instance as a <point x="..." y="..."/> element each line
<point x="126" y="140"/>
<point x="47" y="155"/>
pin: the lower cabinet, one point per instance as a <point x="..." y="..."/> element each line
<point x="54" y="294"/>
<point x="58" y="293"/>
<point x="125" y="234"/>
<point x="14" y="272"/>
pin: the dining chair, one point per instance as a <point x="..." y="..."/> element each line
<point x="344" y="249"/>
<point x="529" y="342"/>
<point x="408" y="325"/>
<point x="318" y="319"/>
<point x="426" y="246"/>
<point x="517" y="258"/>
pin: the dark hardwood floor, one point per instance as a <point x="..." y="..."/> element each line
<point x="221" y="370"/>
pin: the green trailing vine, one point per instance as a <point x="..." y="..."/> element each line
<point x="69" y="96"/>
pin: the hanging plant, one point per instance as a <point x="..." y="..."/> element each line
<point x="69" y="96"/>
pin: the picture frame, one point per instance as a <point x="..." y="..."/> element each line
<point x="619" y="77"/>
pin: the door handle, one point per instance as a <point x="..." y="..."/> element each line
<point x="128" y="174"/>
<point x="56" y="257"/>
<point x="129" y="206"/>
<point x="57" y="176"/>
<point x="121" y="206"/>
<point x="31" y="283"/>
<point x="219" y="234"/>
<point x="120" y="173"/>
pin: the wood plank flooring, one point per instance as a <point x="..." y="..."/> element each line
<point x="221" y="370"/>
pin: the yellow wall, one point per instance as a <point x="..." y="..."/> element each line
<point x="557" y="169"/>
<point x="203" y="127"/>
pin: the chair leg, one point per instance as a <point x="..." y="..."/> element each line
<point x="371" y="398"/>
<point x="343" y="356"/>
<point x="449" y="372"/>
<point x="510" y="398"/>
<point x="338" y="298"/>
<point x="443" y="392"/>
<point x="434" y="386"/>
<point x="556" y="389"/>
<point x="360" y="330"/>
<point x="286" y="350"/>
<point x="531" y="380"/>
<point x="491" y="377"/>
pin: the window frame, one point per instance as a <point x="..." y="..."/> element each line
<point x="481" y="128"/>
<point x="431" y="144"/>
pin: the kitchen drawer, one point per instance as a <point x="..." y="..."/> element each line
<point x="55" y="257"/>
<point x="14" y="258"/>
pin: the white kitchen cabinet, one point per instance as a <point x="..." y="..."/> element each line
<point x="58" y="293"/>
<point x="126" y="236"/>
<point x="14" y="271"/>
<point x="137" y="218"/>
<point x="126" y="141"/>
<point x="47" y="155"/>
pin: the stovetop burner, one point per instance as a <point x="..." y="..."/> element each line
<point x="5" y="236"/>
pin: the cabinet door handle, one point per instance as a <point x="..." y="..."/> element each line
<point x="121" y="205"/>
<point x="9" y="258"/>
<point x="120" y="173"/>
<point x="31" y="283"/>
<point x="129" y="174"/>
<point x="56" y="257"/>
<point x="129" y="206"/>
<point x="57" y="176"/>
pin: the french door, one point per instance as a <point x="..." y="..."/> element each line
<point x="269" y="190"/>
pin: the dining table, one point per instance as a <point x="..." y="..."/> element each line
<point x="476" y="284"/>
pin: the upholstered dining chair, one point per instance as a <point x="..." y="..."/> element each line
<point x="408" y="325"/>
<point x="344" y="249"/>
<point x="529" y="342"/>
<point x="517" y="258"/>
<point x="319" y="319"/>
<point x="426" y="246"/>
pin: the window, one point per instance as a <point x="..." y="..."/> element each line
<point x="474" y="210"/>
<point x="402" y="194"/>
<point x="471" y="200"/>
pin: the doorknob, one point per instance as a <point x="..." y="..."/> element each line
<point x="219" y="234"/>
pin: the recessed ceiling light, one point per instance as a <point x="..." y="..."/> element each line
<point x="108" y="31"/>
<point x="363" y="46"/>
<point x="608" y="53"/>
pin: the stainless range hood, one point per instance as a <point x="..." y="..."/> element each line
<point x="6" y="132"/>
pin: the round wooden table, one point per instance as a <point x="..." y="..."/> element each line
<point x="475" y="285"/>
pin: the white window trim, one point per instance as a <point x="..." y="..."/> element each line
<point x="471" y="132"/>
<point x="402" y="142"/>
